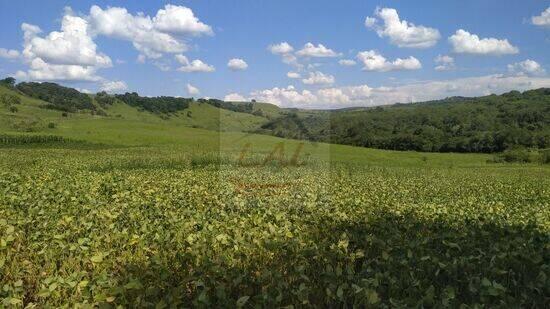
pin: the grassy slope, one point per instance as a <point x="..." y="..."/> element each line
<point x="215" y="130"/>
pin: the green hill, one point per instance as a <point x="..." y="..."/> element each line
<point x="485" y="124"/>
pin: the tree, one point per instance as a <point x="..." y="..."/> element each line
<point x="8" y="82"/>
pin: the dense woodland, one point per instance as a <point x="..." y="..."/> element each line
<point x="486" y="124"/>
<point x="155" y="104"/>
<point x="58" y="97"/>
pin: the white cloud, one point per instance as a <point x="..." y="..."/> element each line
<point x="84" y="90"/>
<point x="347" y="62"/>
<point x="281" y="48"/>
<point x="9" y="53"/>
<point x="72" y="45"/>
<point x="180" y="20"/>
<point x="234" y="97"/>
<point x="543" y="19"/>
<point x="237" y="64"/>
<point x="401" y="32"/>
<point x="334" y="95"/>
<point x="66" y="55"/>
<point x="152" y="37"/>
<point x="320" y="51"/>
<point x="318" y="78"/>
<point x="444" y="63"/>
<point x="467" y="43"/>
<point x="373" y="61"/>
<point x="294" y="75"/>
<point x="285" y="50"/>
<point x="529" y="67"/>
<point x="192" y="90"/>
<point x="193" y="66"/>
<point x="113" y="86"/>
<point x="363" y="95"/>
<point x="288" y="96"/>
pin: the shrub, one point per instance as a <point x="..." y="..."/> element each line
<point x="51" y="125"/>
<point x="64" y="114"/>
<point x="517" y="154"/>
<point x="13" y="109"/>
<point x="544" y="156"/>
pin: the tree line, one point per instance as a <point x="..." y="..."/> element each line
<point x="484" y="124"/>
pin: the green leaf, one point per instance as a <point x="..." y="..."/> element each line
<point x="372" y="296"/>
<point x="241" y="301"/>
<point x="98" y="258"/>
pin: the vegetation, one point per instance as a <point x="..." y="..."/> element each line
<point x="104" y="99"/>
<point x="157" y="105"/>
<point x="236" y="107"/>
<point x="7" y="139"/>
<point x="155" y="227"/>
<point x="486" y="124"/>
<point x="58" y="97"/>
<point x="138" y="211"/>
<point x="9" y="100"/>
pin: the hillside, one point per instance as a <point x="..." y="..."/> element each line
<point x="480" y="125"/>
<point x="485" y="124"/>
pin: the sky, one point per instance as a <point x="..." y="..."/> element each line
<point x="308" y="54"/>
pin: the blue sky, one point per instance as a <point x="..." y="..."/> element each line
<point x="504" y="45"/>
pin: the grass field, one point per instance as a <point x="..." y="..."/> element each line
<point x="145" y="212"/>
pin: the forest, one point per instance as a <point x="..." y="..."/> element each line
<point x="483" y="125"/>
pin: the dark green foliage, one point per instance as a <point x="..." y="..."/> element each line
<point x="235" y="107"/>
<point x="156" y="105"/>
<point x="51" y="125"/>
<point x="486" y="124"/>
<point x="516" y="154"/>
<point x="104" y="99"/>
<point x="58" y="97"/>
<point x="8" y="82"/>
<point x="6" y="139"/>
<point x="13" y="109"/>
<point x="544" y="155"/>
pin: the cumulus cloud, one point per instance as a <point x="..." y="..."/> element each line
<point x="180" y="20"/>
<point x="234" y="97"/>
<point x="529" y="67"/>
<point x="401" y="32"/>
<point x="163" y="33"/>
<point x="73" y="45"/>
<point x="113" y="86"/>
<point x="347" y="62"/>
<point x="280" y="96"/>
<point x="192" y="90"/>
<point x="280" y="48"/>
<point x="237" y="64"/>
<point x="318" y="78"/>
<point x="373" y="61"/>
<point x="444" y="63"/>
<point x="320" y="51"/>
<point x="66" y="55"/>
<point x="9" y="53"/>
<point x="543" y="19"/>
<point x="285" y="50"/>
<point x="467" y="43"/>
<point x="193" y="66"/>
<point x="293" y="75"/>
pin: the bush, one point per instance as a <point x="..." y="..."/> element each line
<point x="64" y="114"/>
<point x="51" y="125"/>
<point x="13" y="109"/>
<point x="544" y="156"/>
<point x="517" y="154"/>
<point x="10" y="99"/>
